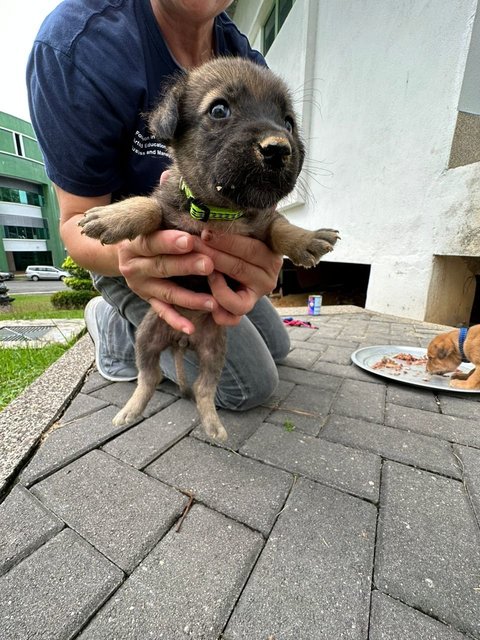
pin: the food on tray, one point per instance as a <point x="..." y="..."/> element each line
<point x="403" y="363"/>
<point x="411" y="359"/>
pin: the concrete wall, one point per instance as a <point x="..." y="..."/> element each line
<point x="382" y="82"/>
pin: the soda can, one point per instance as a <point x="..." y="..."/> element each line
<point x="314" y="305"/>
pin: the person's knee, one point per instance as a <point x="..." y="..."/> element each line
<point x="254" y="392"/>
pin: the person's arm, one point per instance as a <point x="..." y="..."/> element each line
<point x="148" y="262"/>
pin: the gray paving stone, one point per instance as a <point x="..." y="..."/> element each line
<point x="357" y="472"/>
<point x="359" y="399"/>
<point x="403" y="341"/>
<point x="186" y="587"/>
<point x="309" y="378"/>
<point x="323" y="331"/>
<point x="337" y="354"/>
<point x="25" y="524"/>
<point x="392" y="620"/>
<point x="451" y="428"/>
<point x="93" y="382"/>
<point x="306" y="410"/>
<point x="141" y="444"/>
<point x="308" y="345"/>
<point x="313" y="577"/>
<point x="332" y="369"/>
<point x="299" y="333"/>
<point x="239" y="425"/>
<point x="69" y="442"/>
<point x="119" y="394"/>
<point x="282" y="391"/>
<point x="242" y="489"/>
<point x="423" y="512"/>
<point x="470" y="461"/>
<point x="53" y="592"/>
<point x="460" y="405"/>
<point x="122" y="512"/>
<point x="395" y="444"/>
<point x="412" y="397"/>
<point x="301" y="358"/>
<point x="322" y="343"/>
<point x="82" y="405"/>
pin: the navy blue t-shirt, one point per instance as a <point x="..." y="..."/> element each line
<point x="96" y="68"/>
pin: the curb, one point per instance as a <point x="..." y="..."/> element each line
<point x="25" y="419"/>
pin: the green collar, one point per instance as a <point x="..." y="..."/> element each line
<point x="200" y="211"/>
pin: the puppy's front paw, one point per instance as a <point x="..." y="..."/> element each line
<point x="458" y="384"/>
<point x="105" y="224"/>
<point x="126" y="416"/>
<point x="316" y="244"/>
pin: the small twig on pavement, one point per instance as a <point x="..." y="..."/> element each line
<point x="190" y="495"/>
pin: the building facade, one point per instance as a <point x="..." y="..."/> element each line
<point x="389" y="99"/>
<point x="28" y="206"/>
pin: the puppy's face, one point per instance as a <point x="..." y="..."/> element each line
<point x="442" y="354"/>
<point x="233" y="133"/>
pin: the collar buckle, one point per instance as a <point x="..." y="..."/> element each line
<point x="198" y="210"/>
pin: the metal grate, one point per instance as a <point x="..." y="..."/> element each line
<point x="13" y="334"/>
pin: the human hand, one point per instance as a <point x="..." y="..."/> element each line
<point x="249" y="262"/>
<point x="147" y="263"/>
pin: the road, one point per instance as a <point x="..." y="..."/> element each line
<point x="19" y="285"/>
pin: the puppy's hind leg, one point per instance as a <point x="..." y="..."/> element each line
<point x="148" y="348"/>
<point x="211" y="355"/>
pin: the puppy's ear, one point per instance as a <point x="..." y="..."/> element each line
<point x="163" y="121"/>
<point x="443" y="353"/>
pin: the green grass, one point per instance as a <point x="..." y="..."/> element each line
<point x="37" y="307"/>
<point x="20" y="366"/>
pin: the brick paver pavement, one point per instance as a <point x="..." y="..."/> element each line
<point x="348" y="508"/>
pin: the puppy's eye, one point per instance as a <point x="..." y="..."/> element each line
<point x="289" y="124"/>
<point x="219" y="110"/>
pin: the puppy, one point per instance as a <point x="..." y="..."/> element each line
<point x="232" y="133"/>
<point x="444" y="355"/>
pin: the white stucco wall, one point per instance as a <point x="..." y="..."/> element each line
<point x="382" y="82"/>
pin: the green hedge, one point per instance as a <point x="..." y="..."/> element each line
<point x="72" y="299"/>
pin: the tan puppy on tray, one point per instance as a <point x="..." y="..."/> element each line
<point x="448" y="350"/>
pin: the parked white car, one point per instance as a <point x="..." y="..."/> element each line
<point x="45" y="272"/>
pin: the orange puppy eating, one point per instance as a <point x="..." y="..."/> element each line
<point x="448" y="350"/>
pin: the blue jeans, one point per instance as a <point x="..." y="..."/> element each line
<point x="250" y="374"/>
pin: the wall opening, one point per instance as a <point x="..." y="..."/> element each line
<point x="452" y="290"/>
<point x="340" y="283"/>
<point x="475" y="313"/>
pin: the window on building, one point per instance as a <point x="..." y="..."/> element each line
<point x="18" y="144"/>
<point x="274" y="21"/>
<point x="26" y="233"/>
<point x="7" y="194"/>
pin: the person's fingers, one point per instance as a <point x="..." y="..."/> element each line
<point x="170" y="241"/>
<point x="236" y="302"/>
<point x="248" y="249"/>
<point x="171" y="316"/>
<point x="165" y="176"/>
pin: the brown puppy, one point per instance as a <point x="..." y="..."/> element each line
<point x="444" y="356"/>
<point x="232" y="133"/>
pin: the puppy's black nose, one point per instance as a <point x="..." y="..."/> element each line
<point x="275" y="150"/>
